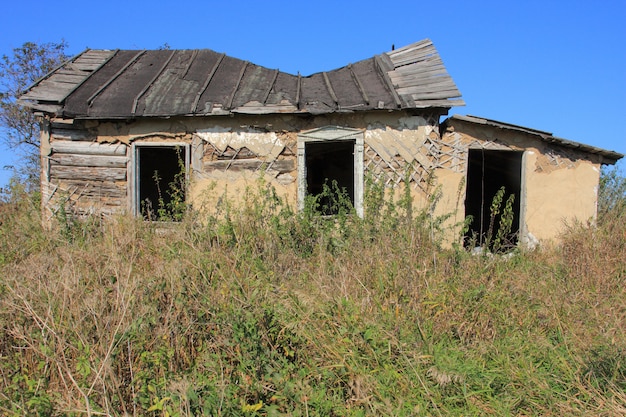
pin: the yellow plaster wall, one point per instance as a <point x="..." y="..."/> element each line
<point x="559" y="184"/>
<point x="450" y="202"/>
<point x="211" y="193"/>
<point x="265" y="135"/>
<point x="559" y="197"/>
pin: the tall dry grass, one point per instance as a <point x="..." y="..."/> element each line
<point x="258" y="310"/>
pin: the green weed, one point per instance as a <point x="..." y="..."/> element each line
<point x="260" y="310"/>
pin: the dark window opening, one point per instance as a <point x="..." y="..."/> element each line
<point x="328" y="163"/>
<point x="161" y="182"/>
<point x="487" y="172"/>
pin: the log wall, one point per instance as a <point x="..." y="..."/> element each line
<point x="81" y="175"/>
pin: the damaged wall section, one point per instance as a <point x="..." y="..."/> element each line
<point x="89" y="166"/>
<point x="558" y="184"/>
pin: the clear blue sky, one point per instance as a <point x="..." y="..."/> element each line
<point x="558" y="66"/>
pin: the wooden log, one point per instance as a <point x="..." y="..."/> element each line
<point x="65" y="124"/>
<point x="88" y="148"/>
<point x="69" y="134"/>
<point x="87" y="173"/>
<point x="282" y="166"/>
<point x="77" y="160"/>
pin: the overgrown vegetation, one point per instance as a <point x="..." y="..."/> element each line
<point x="257" y="310"/>
<point x="19" y="130"/>
<point x="612" y="193"/>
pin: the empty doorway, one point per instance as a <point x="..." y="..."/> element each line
<point x="487" y="172"/>
<point x="160" y="181"/>
<point x="330" y="163"/>
<point x="326" y="156"/>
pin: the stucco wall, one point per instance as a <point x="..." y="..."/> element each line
<point x="559" y="184"/>
<point x="228" y="155"/>
<point x="89" y="165"/>
<point x="558" y="196"/>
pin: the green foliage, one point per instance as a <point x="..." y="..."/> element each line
<point x="19" y="127"/>
<point x="498" y="237"/>
<point x="257" y="310"/>
<point x="612" y="193"/>
<point x="21" y="234"/>
<point x="171" y="204"/>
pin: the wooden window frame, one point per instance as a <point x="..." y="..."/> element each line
<point x="133" y="169"/>
<point x="333" y="134"/>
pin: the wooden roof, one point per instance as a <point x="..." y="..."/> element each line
<point x="108" y="84"/>
<point x="610" y="157"/>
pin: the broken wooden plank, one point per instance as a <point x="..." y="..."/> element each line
<point x="430" y="65"/>
<point x="282" y="166"/>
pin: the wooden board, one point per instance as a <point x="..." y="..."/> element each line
<point x="69" y="134"/>
<point x="88" y="160"/>
<point x="87" y="173"/>
<point x="282" y="166"/>
<point x="88" y="148"/>
<point x="107" y="189"/>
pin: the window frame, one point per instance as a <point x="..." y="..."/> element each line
<point x="521" y="203"/>
<point x="134" y="169"/>
<point x="333" y="134"/>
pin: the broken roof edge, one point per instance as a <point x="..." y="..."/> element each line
<point x="611" y="156"/>
<point x="418" y="75"/>
<point x="55" y="69"/>
<point x="413" y="76"/>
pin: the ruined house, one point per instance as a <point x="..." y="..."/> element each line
<point x="117" y="126"/>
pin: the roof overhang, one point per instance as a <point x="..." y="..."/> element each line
<point x="608" y="157"/>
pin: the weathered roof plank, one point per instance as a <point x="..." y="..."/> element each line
<point x="171" y="92"/>
<point x="128" y="84"/>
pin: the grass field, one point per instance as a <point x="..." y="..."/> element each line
<point x="258" y="311"/>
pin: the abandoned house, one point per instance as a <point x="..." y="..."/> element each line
<point x="118" y="126"/>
